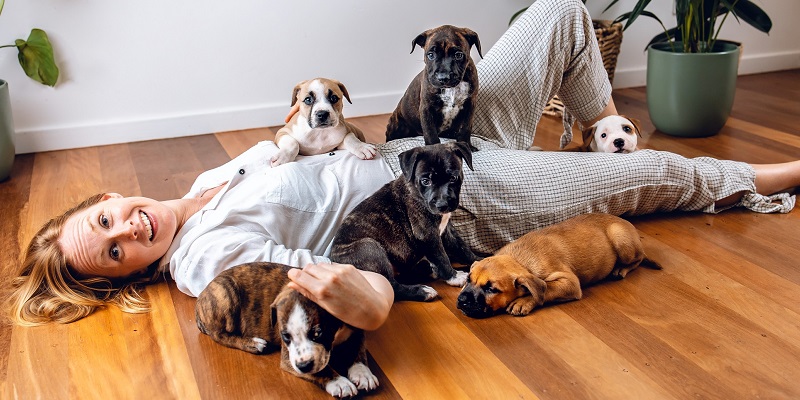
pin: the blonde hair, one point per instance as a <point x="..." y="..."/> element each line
<point x="45" y="290"/>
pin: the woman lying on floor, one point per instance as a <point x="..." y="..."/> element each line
<point x="105" y="249"/>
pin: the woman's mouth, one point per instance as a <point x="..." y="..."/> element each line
<point x="148" y="226"/>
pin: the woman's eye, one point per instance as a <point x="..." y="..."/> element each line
<point x="114" y="252"/>
<point x="307" y="101"/>
<point x="459" y="55"/>
<point x="333" y="99"/>
<point x="603" y="135"/>
<point x="431" y="56"/>
<point x="104" y="221"/>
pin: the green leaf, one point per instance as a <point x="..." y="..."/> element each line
<point x="637" y="10"/>
<point x="516" y="14"/>
<point x="36" y="58"/>
<point x="2" y="2"/>
<point x="753" y="15"/>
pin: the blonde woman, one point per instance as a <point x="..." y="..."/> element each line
<point x="109" y="247"/>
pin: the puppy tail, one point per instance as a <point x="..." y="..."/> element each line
<point x="648" y="263"/>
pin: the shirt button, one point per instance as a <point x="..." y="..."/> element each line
<point x="241" y="171"/>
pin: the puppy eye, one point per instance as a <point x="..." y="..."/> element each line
<point x="307" y="100"/>
<point x="453" y="178"/>
<point x="425" y="182"/>
<point x="315" y="333"/>
<point x="603" y="135"/>
<point x="459" y="55"/>
<point x="626" y="129"/>
<point x="285" y="337"/>
<point x="431" y="56"/>
<point x="491" y="289"/>
<point x="333" y="99"/>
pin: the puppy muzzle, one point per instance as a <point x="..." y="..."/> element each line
<point x="443" y="205"/>
<point x="472" y="303"/>
<point x="322" y="119"/>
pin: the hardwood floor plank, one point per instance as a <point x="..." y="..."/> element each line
<point x="237" y="142"/>
<point x="457" y="365"/>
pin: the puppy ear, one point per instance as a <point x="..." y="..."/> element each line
<point x="277" y="303"/>
<point x="588" y="136"/>
<point x="295" y="91"/>
<point x="408" y="162"/>
<point x="636" y="125"/>
<point x="532" y="285"/>
<point x="344" y="91"/>
<point x="472" y="39"/>
<point x="419" y="41"/>
<point x="463" y="150"/>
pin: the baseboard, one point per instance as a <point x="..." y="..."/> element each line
<point x="756" y="64"/>
<point x="100" y="134"/>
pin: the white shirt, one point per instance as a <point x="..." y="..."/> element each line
<point x="288" y="214"/>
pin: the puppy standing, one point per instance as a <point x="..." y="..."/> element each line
<point x="249" y="307"/>
<point x="318" y="125"/>
<point x="612" y="134"/>
<point x="552" y="264"/>
<point x="440" y="100"/>
<point x="407" y="220"/>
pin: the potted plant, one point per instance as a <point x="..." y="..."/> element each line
<point x="691" y="74"/>
<point x="36" y="58"/>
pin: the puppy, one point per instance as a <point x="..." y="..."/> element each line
<point x="440" y="99"/>
<point x="316" y="124"/>
<point x="552" y="264"/>
<point x="612" y="134"/>
<point x="249" y="307"/>
<point x="404" y="228"/>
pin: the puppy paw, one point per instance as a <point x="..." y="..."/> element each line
<point x="280" y="158"/>
<point x="364" y="151"/>
<point x="258" y="345"/>
<point x="362" y="377"/>
<point x="341" y="387"/>
<point x="458" y="280"/>
<point x="521" y="306"/>
<point x="430" y="293"/>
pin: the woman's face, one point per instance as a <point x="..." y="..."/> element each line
<point x="118" y="236"/>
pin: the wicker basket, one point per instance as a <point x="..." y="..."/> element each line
<point x="609" y="38"/>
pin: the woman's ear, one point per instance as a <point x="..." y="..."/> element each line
<point x="111" y="196"/>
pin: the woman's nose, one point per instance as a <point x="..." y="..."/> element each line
<point x="126" y="230"/>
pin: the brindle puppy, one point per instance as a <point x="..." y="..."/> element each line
<point x="440" y="100"/>
<point x="407" y="220"/>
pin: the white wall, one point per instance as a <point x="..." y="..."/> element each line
<point x="152" y="69"/>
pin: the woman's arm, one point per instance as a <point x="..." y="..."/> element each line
<point x="359" y="298"/>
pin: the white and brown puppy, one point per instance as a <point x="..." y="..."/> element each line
<point x="552" y="264"/>
<point x="612" y="134"/>
<point x="249" y="307"/>
<point x="316" y="125"/>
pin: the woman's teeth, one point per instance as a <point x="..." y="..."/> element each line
<point x="147" y="226"/>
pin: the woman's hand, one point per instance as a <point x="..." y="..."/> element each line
<point x="359" y="298"/>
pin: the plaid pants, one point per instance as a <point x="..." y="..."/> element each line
<point x="552" y="49"/>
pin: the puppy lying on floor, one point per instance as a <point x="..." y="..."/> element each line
<point x="404" y="228"/>
<point x="552" y="264"/>
<point x="316" y="125"/>
<point x="314" y="344"/>
<point x="612" y="134"/>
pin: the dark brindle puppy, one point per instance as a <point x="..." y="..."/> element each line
<point x="407" y="220"/>
<point x="440" y="99"/>
<point x="249" y="307"/>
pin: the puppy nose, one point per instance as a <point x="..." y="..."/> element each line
<point x="463" y="300"/>
<point x="619" y="142"/>
<point x="305" y="366"/>
<point x="442" y="77"/>
<point x="323" y="115"/>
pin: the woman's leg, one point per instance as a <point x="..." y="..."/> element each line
<point x="550" y="49"/>
<point x="769" y="179"/>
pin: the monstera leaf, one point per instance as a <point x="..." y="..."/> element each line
<point x="36" y="57"/>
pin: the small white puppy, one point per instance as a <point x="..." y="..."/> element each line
<point x="316" y="125"/>
<point x="612" y="134"/>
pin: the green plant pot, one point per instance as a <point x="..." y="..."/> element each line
<point x="691" y="94"/>
<point x="6" y="133"/>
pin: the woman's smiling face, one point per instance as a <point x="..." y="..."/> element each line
<point x="118" y="236"/>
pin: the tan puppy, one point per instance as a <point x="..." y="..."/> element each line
<point x="552" y="264"/>
<point x="249" y="307"/>
<point x="316" y="124"/>
<point x="612" y="134"/>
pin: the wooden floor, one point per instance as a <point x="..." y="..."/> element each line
<point x="720" y="321"/>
